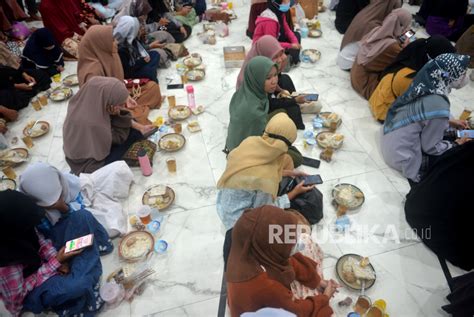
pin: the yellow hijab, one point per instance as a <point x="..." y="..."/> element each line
<point x="258" y="162"/>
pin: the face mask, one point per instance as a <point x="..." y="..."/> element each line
<point x="284" y="7"/>
<point x="461" y="82"/>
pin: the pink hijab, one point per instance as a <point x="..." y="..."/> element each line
<point x="267" y="46"/>
<point x="395" y="25"/>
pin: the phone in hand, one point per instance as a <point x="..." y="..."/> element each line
<point x="79" y="243"/>
<point x="312" y="180"/>
<point x="311" y="97"/>
<point x="311" y="162"/>
<point x="465" y="134"/>
<point x="408" y="35"/>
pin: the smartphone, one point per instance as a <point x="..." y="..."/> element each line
<point x="175" y="86"/>
<point x="312" y="180"/>
<point x="311" y="97"/>
<point x="150" y="133"/>
<point x="311" y="162"/>
<point x="465" y="134"/>
<point x="79" y="243"/>
<point x="408" y="34"/>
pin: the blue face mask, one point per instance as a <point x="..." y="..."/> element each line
<point x="284" y="7"/>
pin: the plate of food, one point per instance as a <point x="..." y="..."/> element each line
<point x="194" y="127"/>
<point x="159" y="196"/>
<point x="71" y="80"/>
<point x="329" y="139"/>
<point x="179" y="113"/>
<point x="315" y="33"/>
<point x="172" y="142"/>
<point x="348" y="195"/>
<point x="35" y="129"/>
<point x="136" y="246"/>
<point x="60" y="94"/>
<point x="195" y="74"/>
<point x="330" y="117"/>
<point x="13" y="157"/>
<point x="7" y="183"/>
<point x="310" y="56"/>
<point x="193" y="60"/>
<point x="355" y="271"/>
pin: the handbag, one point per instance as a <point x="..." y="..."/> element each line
<point x="131" y="156"/>
<point x="309" y="204"/>
<point x="178" y="50"/>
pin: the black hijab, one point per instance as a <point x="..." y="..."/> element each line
<point x="279" y="14"/>
<point x="418" y="53"/>
<point x="158" y="9"/>
<point x="19" y="242"/>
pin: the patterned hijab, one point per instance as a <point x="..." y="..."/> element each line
<point x="435" y="78"/>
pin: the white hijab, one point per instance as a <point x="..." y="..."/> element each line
<point x="45" y="184"/>
<point x="126" y="31"/>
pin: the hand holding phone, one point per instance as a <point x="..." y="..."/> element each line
<point x="311" y="97"/>
<point x="408" y="35"/>
<point x="79" y="243"/>
<point x="312" y="180"/>
<point x="465" y="134"/>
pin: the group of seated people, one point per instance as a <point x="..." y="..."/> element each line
<point x="133" y="45"/>
<point x="407" y="85"/>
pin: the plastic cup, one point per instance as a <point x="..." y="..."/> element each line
<point x="144" y="213"/>
<point x="111" y="293"/>
<point x="304" y="32"/>
<point x="178" y="128"/>
<point x="171" y="164"/>
<point x="36" y="104"/>
<point x="230" y="5"/>
<point x="154" y="227"/>
<point x="172" y="101"/>
<point x="362" y="305"/>
<point x="43" y="99"/>
<point x="184" y="79"/>
<point x="161" y="246"/>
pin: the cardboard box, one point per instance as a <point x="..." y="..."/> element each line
<point x="310" y="8"/>
<point x="234" y="56"/>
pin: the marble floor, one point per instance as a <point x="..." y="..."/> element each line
<point x="188" y="278"/>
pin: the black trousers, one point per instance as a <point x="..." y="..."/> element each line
<point x="30" y="5"/>
<point x="293" y="52"/>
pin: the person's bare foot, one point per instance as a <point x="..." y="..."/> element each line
<point x="9" y="114"/>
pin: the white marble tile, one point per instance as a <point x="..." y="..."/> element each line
<point x="204" y="308"/>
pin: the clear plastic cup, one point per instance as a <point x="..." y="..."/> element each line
<point x="144" y="213"/>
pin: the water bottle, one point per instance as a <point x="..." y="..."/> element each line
<point x="191" y="100"/>
<point x="144" y="162"/>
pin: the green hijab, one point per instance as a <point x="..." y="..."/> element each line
<point x="249" y="105"/>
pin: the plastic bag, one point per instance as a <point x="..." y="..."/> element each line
<point x="222" y="29"/>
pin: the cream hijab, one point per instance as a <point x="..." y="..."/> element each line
<point x="87" y="129"/>
<point x="381" y="37"/>
<point x="258" y="162"/>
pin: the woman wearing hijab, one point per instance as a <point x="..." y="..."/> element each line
<point x="134" y="8"/>
<point x="346" y="10"/>
<point x="378" y="49"/>
<point x="63" y="19"/>
<point x="448" y="18"/>
<point x="249" y="105"/>
<point x="162" y="19"/>
<point x="398" y="76"/>
<point x="99" y="57"/>
<point x="136" y="61"/>
<point x="364" y="22"/>
<point x="42" y="52"/>
<point x="18" y="85"/>
<point x="98" y="129"/>
<point x="255" y="169"/>
<point x="437" y="209"/>
<point x="34" y="276"/>
<point x="415" y="126"/>
<point x="260" y="269"/>
<point x="62" y="193"/>
<point x="273" y="22"/>
<point x="268" y="46"/>
<point x="185" y="13"/>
